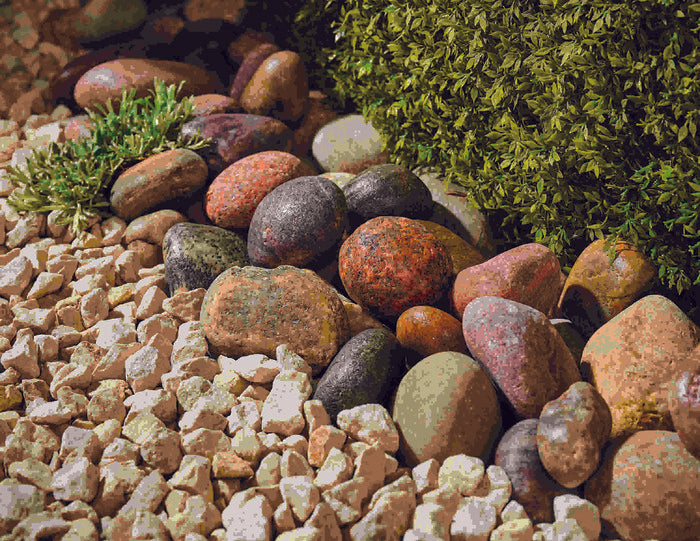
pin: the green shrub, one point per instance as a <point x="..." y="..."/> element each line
<point x="575" y="117"/>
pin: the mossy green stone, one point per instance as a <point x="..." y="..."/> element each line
<point x="446" y="405"/>
<point x="195" y="254"/>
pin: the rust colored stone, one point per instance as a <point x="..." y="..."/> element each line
<point x="596" y="291"/>
<point x="632" y="359"/>
<point x="253" y="310"/>
<point x="463" y="254"/>
<point x="528" y="274"/>
<point x="391" y="263"/>
<point x="233" y="195"/>
<point x="425" y="330"/>
<point x="279" y="88"/>
<point x="647" y="488"/>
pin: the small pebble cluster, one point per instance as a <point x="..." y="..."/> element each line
<point x="130" y="426"/>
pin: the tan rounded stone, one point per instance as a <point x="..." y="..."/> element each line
<point x="596" y="290"/>
<point x="632" y="360"/>
<point x="446" y="405"/>
<point x="647" y="488"/>
<point x="279" y="88"/>
<point x="253" y="310"/>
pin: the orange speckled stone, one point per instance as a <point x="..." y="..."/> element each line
<point x="596" y="291"/>
<point x="463" y="254"/>
<point x="391" y="263"/>
<point x="233" y="196"/>
<point x="425" y="330"/>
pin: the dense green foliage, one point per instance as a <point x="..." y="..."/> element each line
<point x="74" y="177"/>
<point x="575" y="117"/>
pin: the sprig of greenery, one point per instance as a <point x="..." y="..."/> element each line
<point x="74" y="177"/>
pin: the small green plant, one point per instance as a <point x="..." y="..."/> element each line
<point x="74" y="177"/>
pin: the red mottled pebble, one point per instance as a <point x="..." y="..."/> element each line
<point x="233" y="196"/>
<point x="528" y="274"/>
<point x="391" y="263"/>
<point x="424" y="330"/>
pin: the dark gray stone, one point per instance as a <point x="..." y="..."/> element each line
<point x="296" y="222"/>
<point x="533" y="487"/>
<point x="386" y="190"/>
<point x="195" y="254"/>
<point x="366" y="370"/>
